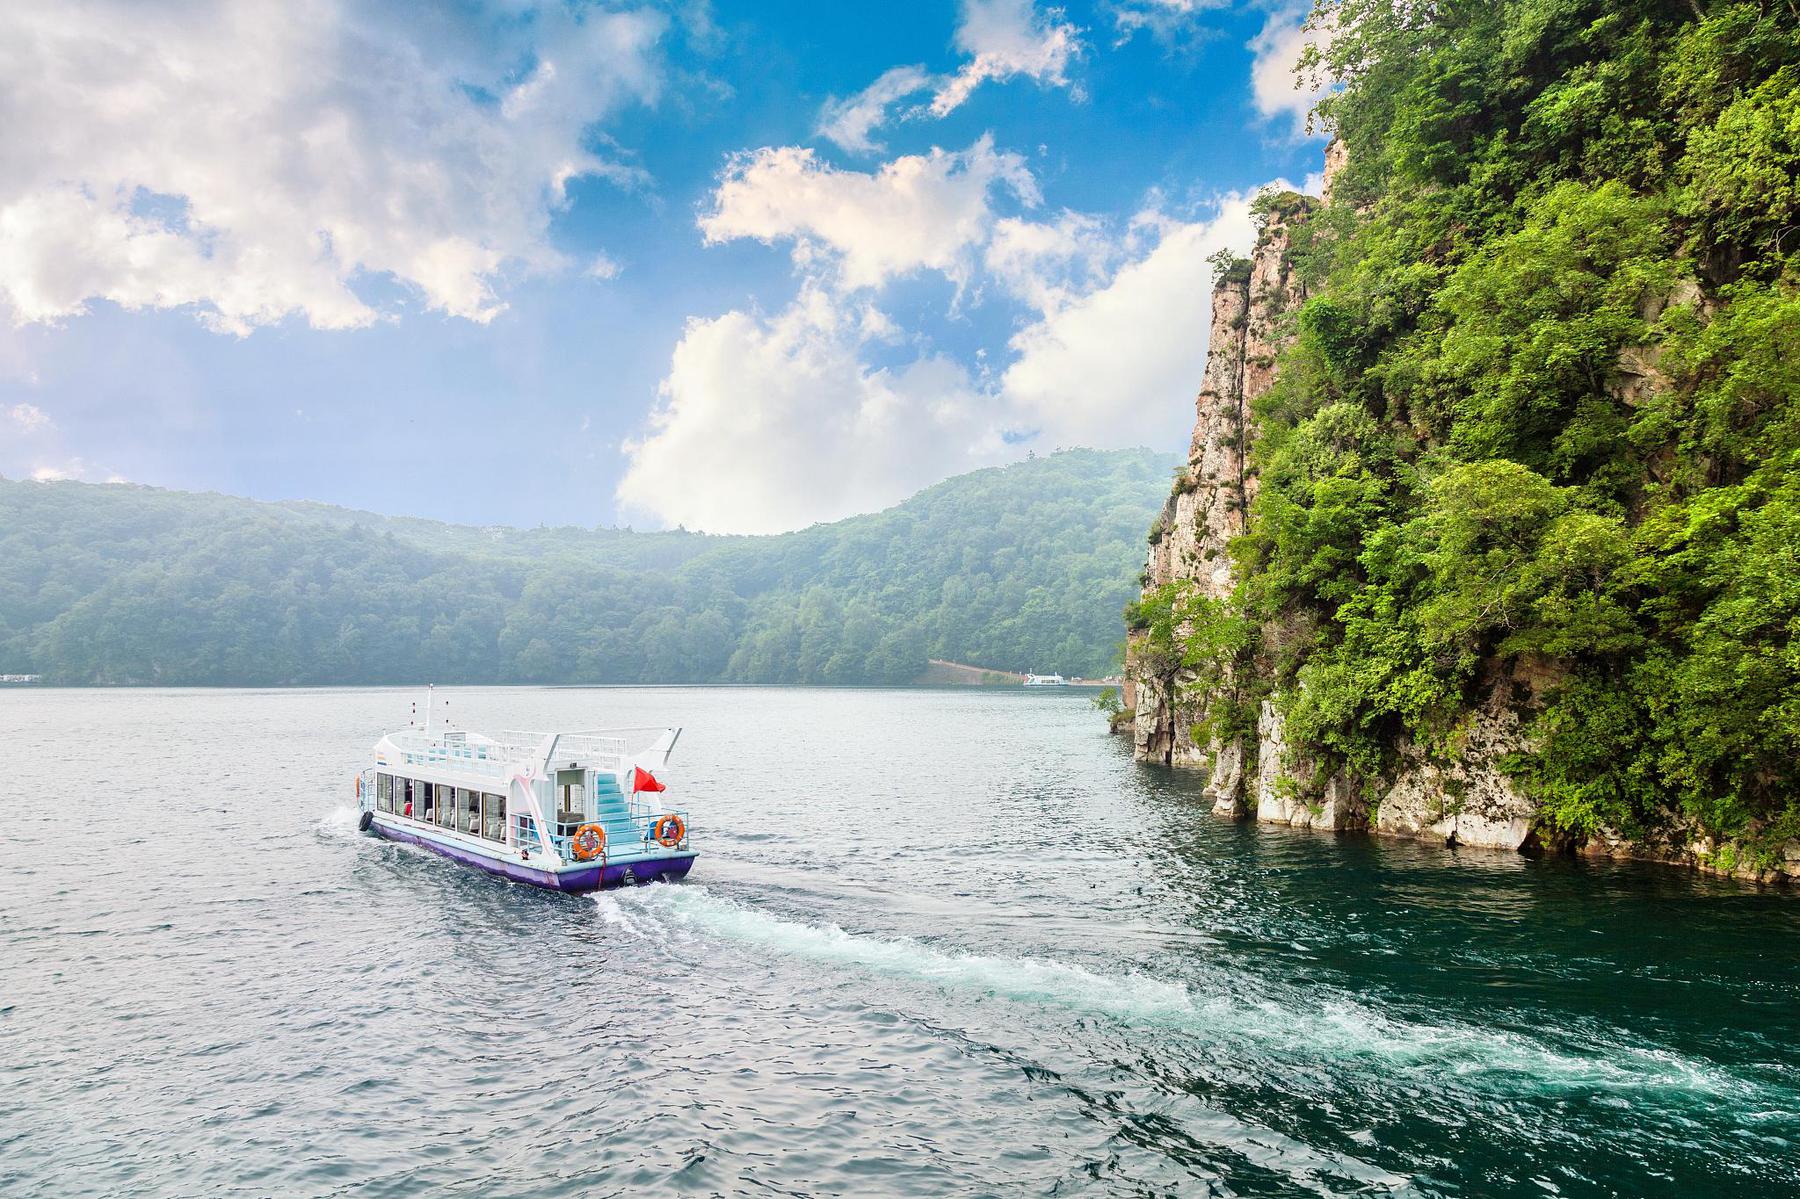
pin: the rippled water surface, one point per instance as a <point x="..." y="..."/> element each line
<point x="937" y="943"/>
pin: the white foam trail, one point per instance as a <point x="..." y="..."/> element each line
<point x="614" y="913"/>
<point x="692" y="910"/>
<point x="339" y="820"/>
<point x="1316" y="1023"/>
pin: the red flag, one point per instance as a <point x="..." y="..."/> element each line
<point x="643" y="780"/>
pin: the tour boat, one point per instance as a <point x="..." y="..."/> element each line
<point x="1045" y="680"/>
<point x="573" y="811"/>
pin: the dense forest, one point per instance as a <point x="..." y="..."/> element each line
<point x="1541" y="409"/>
<point x="1020" y="567"/>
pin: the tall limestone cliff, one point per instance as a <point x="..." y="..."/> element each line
<point x="1223" y="714"/>
<point x="1252" y="303"/>
<point x="1488" y="531"/>
<point x="1467" y="799"/>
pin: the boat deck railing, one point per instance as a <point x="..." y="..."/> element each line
<point x="580" y="744"/>
<point x="643" y="817"/>
<point x="506" y="751"/>
<point x="454" y="749"/>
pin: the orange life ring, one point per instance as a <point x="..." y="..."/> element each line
<point x="359" y="786"/>
<point x="668" y="830"/>
<point x="588" y="843"/>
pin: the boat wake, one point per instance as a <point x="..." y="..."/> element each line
<point x="693" y="911"/>
<point x="339" y="821"/>
<point x="1318" y="1025"/>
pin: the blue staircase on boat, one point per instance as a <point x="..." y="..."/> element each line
<point x="613" y="813"/>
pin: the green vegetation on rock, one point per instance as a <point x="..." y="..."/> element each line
<point x="1541" y="409"/>
<point x="1019" y="568"/>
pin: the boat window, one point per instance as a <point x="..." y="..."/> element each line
<point x="493" y="825"/>
<point x="411" y="795"/>
<point x="384" y="792"/>
<point x="471" y="806"/>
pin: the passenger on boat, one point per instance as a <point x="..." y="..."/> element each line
<point x="408" y="811"/>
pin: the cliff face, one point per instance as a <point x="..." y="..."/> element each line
<point x="1210" y="502"/>
<point x="1460" y="793"/>
<point x="1470" y="802"/>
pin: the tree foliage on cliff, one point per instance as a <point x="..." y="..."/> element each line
<point x="1542" y="405"/>
<point x="1021" y="567"/>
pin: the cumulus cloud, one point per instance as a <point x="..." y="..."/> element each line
<point x="1001" y="39"/>
<point x="922" y="211"/>
<point x="771" y="423"/>
<point x="1044" y="262"/>
<point x="1005" y="39"/>
<point x="1113" y="366"/>
<point x="1274" y="86"/>
<point x="251" y="159"/>
<point x="768" y="424"/>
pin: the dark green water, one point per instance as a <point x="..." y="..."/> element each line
<point x="938" y="943"/>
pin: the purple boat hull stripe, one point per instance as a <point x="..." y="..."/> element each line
<point x="592" y="878"/>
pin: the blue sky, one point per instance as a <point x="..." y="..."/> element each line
<point x="735" y="266"/>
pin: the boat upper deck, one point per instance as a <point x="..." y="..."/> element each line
<point x="508" y="751"/>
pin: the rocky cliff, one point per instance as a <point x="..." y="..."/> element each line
<point x="1224" y="714"/>
<point x="1252" y="303"/>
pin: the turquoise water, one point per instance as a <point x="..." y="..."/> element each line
<point x="937" y="943"/>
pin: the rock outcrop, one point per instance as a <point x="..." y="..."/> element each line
<point x="1289" y="789"/>
<point x="1466" y="798"/>
<point x="1210" y="502"/>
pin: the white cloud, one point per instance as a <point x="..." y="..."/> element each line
<point x="916" y="212"/>
<point x="772" y="423"/>
<point x="74" y="468"/>
<point x="1116" y="365"/>
<point x="1274" y="88"/>
<point x="851" y="122"/>
<point x="1164" y="18"/>
<point x="1002" y="39"/>
<point x="252" y="158"/>
<point x="1044" y="262"/>
<point x="604" y="266"/>
<point x="29" y="418"/>
<point x="768" y="424"/>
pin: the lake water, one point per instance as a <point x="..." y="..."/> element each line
<point x="937" y="943"/>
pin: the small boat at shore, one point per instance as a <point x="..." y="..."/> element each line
<point x="570" y="811"/>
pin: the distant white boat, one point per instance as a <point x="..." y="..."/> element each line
<point x="1045" y="680"/>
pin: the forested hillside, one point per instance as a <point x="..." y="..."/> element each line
<point x="1538" y="423"/>
<point x="1021" y="567"/>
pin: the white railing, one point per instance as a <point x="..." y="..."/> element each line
<point x="604" y="748"/>
<point x="593" y="740"/>
<point x="419" y="748"/>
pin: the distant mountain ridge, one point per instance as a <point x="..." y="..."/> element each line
<point x="1023" y="567"/>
